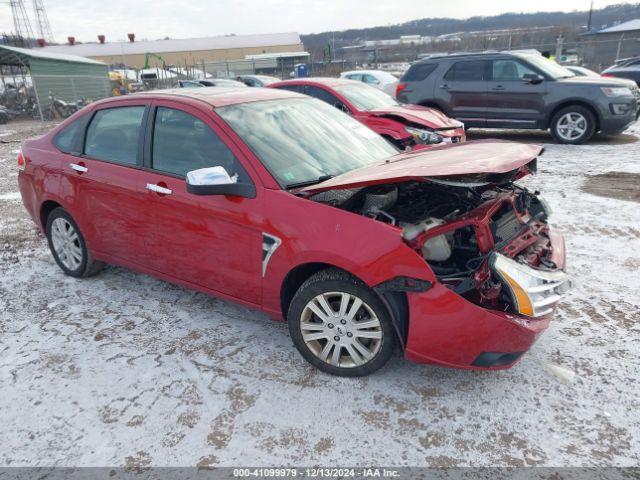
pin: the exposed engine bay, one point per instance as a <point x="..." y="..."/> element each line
<point x="456" y="227"/>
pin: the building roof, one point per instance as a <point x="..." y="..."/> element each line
<point x="630" y="26"/>
<point x="175" y="45"/>
<point x="17" y="56"/>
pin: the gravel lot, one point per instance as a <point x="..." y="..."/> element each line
<point x="123" y="369"/>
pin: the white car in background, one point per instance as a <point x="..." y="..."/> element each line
<point x="376" y="78"/>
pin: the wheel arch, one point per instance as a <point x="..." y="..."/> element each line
<point x="396" y="303"/>
<point x="45" y="210"/>
<point x="568" y="103"/>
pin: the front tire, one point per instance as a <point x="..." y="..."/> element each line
<point x="573" y="125"/>
<point x="340" y="326"/>
<point x="68" y="246"/>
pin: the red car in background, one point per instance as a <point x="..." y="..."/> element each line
<point x="403" y="125"/>
<point x="360" y="248"/>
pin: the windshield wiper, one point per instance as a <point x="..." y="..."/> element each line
<point x="308" y="182"/>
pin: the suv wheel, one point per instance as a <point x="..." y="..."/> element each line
<point x="573" y="125"/>
<point x="68" y="246"/>
<point x="340" y="326"/>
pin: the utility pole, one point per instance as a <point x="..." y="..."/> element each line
<point x="21" y="25"/>
<point x="42" y="22"/>
<point x="590" y="16"/>
<point x="559" y="42"/>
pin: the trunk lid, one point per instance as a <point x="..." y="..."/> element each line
<point x="475" y="162"/>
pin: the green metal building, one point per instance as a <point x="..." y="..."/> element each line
<point x="67" y="77"/>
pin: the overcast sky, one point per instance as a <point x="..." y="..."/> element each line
<point x="152" y="19"/>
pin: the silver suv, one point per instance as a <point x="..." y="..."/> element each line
<point x="519" y="90"/>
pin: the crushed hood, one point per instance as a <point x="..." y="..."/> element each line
<point x="480" y="161"/>
<point x="429" y="117"/>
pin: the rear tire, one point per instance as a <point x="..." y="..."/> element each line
<point x="573" y="125"/>
<point x="68" y="246"/>
<point x="340" y="326"/>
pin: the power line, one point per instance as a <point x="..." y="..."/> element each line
<point x="42" y="22"/>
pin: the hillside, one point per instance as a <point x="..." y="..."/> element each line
<point x="573" y="21"/>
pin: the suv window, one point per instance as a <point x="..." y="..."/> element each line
<point x="113" y="134"/>
<point x="182" y="142"/>
<point x="69" y="140"/>
<point x="509" y="70"/>
<point x="322" y="94"/>
<point x="467" y="71"/>
<point x="419" y="72"/>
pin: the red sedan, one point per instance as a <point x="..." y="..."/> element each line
<point x="327" y="226"/>
<point x="403" y="125"/>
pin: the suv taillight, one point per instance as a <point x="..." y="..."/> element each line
<point x="399" y="88"/>
<point x="21" y="161"/>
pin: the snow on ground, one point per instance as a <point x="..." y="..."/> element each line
<point x="123" y="369"/>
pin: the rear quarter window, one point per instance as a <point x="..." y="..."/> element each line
<point x="419" y="72"/>
<point x="69" y="139"/>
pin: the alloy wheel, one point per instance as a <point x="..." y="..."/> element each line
<point x="341" y="329"/>
<point x="572" y="126"/>
<point x="66" y="243"/>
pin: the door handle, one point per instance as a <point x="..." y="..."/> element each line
<point x="78" y="168"/>
<point x="159" y="189"/>
<point x="444" y="86"/>
<point x="497" y="88"/>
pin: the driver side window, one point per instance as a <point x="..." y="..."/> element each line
<point x="182" y="142"/>
<point x="510" y="70"/>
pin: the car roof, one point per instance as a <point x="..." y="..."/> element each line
<point x="327" y="81"/>
<point x="215" y="97"/>
<point x="487" y="53"/>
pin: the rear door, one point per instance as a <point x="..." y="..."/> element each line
<point x="463" y="89"/>
<point x="211" y="241"/>
<point x="102" y="184"/>
<point x="512" y="102"/>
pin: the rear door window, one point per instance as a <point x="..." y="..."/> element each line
<point x="322" y="94"/>
<point x="293" y="88"/>
<point x="418" y="72"/>
<point x="467" y="71"/>
<point x="182" y="142"/>
<point x="114" y="134"/>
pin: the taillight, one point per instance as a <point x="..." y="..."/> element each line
<point x="399" y="88"/>
<point x="607" y="75"/>
<point x="21" y="161"/>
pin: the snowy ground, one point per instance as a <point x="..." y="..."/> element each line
<point x="123" y="369"/>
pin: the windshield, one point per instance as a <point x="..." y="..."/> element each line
<point x="364" y="97"/>
<point x="550" y="67"/>
<point x="301" y="140"/>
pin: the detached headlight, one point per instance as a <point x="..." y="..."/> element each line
<point x="423" y="136"/>
<point x="534" y="292"/>
<point x="616" y="91"/>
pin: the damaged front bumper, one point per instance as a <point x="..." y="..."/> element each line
<point x="447" y="329"/>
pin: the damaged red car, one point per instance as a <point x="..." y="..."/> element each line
<point x="405" y="126"/>
<point x="359" y="247"/>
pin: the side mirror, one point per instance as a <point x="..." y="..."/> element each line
<point x="216" y="181"/>
<point x="532" y="78"/>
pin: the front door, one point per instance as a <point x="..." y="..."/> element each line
<point x="463" y="89"/>
<point x="512" y="101"/>
<point x="211" y="241"/>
